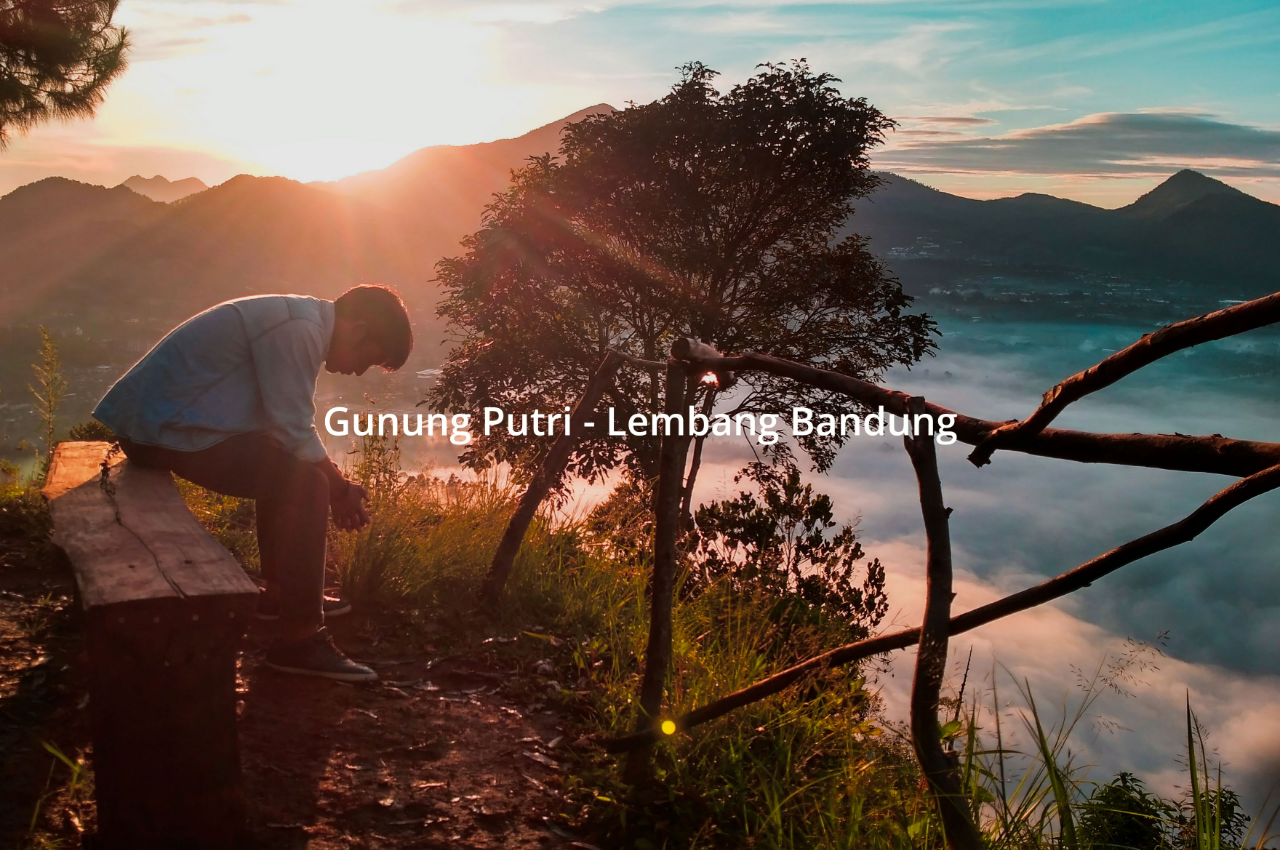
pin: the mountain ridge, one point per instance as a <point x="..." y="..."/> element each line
<point x="113" y="250"/>
<point x="1191" y="226"/>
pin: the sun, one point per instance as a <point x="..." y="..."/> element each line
<point x="324" y="91"/>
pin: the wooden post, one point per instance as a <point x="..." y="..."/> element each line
<point x="547" y="476"/>
<point x="931" y="662"/>
<point x="657" y="659"/>
<point x="166" y="607"/>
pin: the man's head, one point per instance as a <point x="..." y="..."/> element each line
<point x="371" y="328"/>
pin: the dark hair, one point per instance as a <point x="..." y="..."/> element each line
<point x="385" y="314"/>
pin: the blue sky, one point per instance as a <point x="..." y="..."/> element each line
<point x="1092" y="100"/>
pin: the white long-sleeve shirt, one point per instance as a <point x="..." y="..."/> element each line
<point x="248" y="365"/>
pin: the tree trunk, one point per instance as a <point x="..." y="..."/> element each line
<point x="657" y="660"/>
<point x="547" y="476"/>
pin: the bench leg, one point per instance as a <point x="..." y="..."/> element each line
<point x="163" y="719"/>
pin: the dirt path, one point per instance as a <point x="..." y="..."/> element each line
<point x="448" y="751"/>
<point x="439" y="755"/>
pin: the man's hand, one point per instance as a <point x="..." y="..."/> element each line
<point x="349" y="513"/>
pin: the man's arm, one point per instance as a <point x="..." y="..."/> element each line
<point x="287" y="359"/>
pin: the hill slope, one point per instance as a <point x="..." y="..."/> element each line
<point x="99" y="257"/>
<point x="443" y="189"/>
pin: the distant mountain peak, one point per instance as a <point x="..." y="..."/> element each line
<point x="161" y="189"/>
<point x="1179" y="191"/>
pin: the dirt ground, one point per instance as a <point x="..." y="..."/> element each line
<point x="449" y="750"/>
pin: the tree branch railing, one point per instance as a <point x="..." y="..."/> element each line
<point x="666" y="531"/>
<point x="1082" y="576"/>
<point x="1178" y="452"/>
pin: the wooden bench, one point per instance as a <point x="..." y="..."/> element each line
<point x="166" y="608"/>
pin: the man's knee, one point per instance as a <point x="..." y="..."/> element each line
<point x="149" y="456"/>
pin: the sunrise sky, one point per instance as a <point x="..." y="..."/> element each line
<point x="1091" y="99"/>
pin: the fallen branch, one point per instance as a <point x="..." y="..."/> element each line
<point x="931" y="661"/>
<point x="1182" y="531"/>
<point x="1168" y="340"/>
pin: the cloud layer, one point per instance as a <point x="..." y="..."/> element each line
<point x="1101" y="145"/>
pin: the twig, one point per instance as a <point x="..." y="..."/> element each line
<point x="648" y="365"/>
<point x="686" y="502"/>
<point x="105" y="483"/>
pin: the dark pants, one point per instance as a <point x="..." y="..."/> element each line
<point x="291" y="497"/>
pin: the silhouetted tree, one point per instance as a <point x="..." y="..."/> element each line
<point x="57" y="58"/>
<point x="708" y="215"/>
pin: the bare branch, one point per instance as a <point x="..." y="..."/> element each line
<point x="641" y="363"/>
<point x="686" y="502"/>
<point x="1168" y="340"/>
<point x="1082" y="576"/>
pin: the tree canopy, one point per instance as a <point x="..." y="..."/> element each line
<point x="57" y="58"/>
<point x="717" y="216"/>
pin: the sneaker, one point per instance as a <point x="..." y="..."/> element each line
<point x="269" y="606"/>
<point x="317" y="656"/>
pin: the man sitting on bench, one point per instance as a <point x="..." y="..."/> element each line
<point x="227" y="401"/>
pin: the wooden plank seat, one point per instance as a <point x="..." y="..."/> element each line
<point x="166" y="608"/>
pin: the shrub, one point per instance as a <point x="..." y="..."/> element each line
<point x="91" y="430"/>
<point x="1123" y="814"/>
<point x="777" y="544"/>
